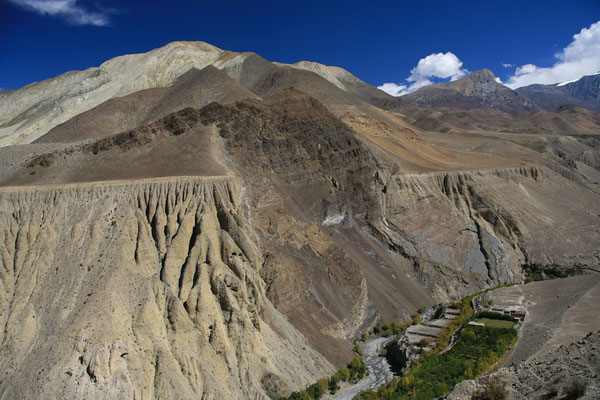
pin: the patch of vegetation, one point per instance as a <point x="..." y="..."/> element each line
<point x="494" y="389"/>
<point x="465" y="315"/>
<point x="422" y="309"/>
<point x="476" y="351"/>
<point x="357" y="349"/>
<point x="416" y="319"/>
<point x="377" y="328"/>
<point x="495" y="323"/>
<point x="538" y="272"/>
<point x="395" y="328"/>
<point x="495" y="315"/>
<point x="488" y="302"/>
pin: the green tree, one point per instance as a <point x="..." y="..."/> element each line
<point x="343" y="374"/>
<point x="416" y="318"/>
<point x="377" y="328"/>
<point x="315" y="391"/>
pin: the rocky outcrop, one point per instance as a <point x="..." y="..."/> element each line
<point x="402" y="354"/>
<point x="140" y="290"/>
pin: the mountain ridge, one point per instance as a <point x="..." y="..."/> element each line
<point x="30" y="112"/>
<point x="477" y="91"/>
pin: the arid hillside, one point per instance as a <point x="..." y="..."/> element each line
<point x="222" y="226"/>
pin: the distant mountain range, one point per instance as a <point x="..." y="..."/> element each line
<point x="481" y="91"/>
<point x="584" y="92"/>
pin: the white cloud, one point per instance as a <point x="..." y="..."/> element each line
<point x="437" y="65"/>
<point x="508" y="65"/>
<point x="498" y="80"/>
<point x="581" y="57"/>
<point x="392" y="88"/>
<point x="525" y="69"/>
<point x="67" y="9"/>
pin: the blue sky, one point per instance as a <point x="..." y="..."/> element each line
<point x="380" y="42"/>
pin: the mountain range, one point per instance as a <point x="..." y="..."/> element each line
<point x="193" y="222"/>
<point x="584" y="92"/>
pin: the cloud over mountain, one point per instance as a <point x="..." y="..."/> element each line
<point x="581" y="57"/>
<point x="436" y="65"/>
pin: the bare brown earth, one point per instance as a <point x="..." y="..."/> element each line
<point x="195" y="88"/>
<point x="140" y="289"/>
<point x="322" y="288"/>
<point x="415" y="150"/>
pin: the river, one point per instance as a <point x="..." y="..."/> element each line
<point x="380" y="371"/>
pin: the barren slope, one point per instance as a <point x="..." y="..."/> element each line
<point x="345" y="81"/>
<point x="195" y="88"/>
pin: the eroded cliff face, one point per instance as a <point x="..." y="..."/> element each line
<point x="140" y="290"/>
<point x="465" y="231"/>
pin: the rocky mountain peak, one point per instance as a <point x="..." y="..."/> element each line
<point x="479" y="90"/>
<point x="483" y="75"/>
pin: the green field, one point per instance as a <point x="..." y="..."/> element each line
<point x="476" y="351"/>
<point x="495" y="323"/>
